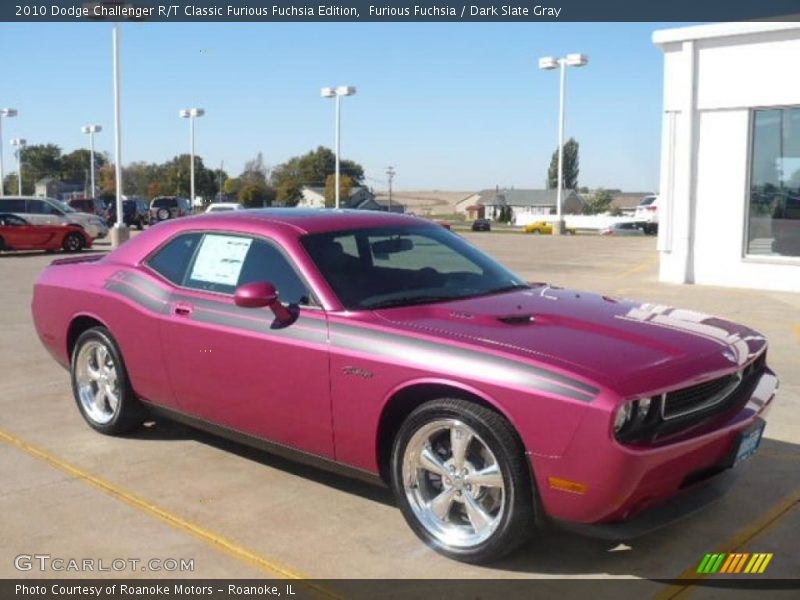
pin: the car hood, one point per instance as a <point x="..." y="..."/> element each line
<point x="630" y="347"/>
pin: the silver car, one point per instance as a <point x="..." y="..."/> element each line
<point x="47" y="211"/>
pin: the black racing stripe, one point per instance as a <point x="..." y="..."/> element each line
<point x="371" y="341"/>
<point x="238" y="311"/>
<point x="316" y="336"/>
<point x="137" y="296"/>
<point x="149" y="286"/>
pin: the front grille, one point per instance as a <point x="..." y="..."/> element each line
<point x="698" y="397"/>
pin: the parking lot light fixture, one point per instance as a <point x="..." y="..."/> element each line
<point x="19" y="144"/>
<point x="337" y="93"/>
<point x="4" y="112"/>
<point x="91" y="130"/>
<point x="549" y="63"/>
<point x="191" y="114"/>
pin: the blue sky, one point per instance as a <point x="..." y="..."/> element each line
<point x="451" y="106"/>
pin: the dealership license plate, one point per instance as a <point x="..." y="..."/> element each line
<point x="748" y="442"/>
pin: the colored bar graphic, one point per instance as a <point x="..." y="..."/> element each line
<point x="734" y="563"/>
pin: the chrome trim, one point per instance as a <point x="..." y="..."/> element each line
<point x="714" y="400"/>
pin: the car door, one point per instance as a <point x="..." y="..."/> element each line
<point x="240" y="367"/>
<point x="22" y="236"/>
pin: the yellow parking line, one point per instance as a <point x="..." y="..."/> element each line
<point x="797" y="331"/>
<point x="736" y="542"/>
<point x="214" y="540"/>
<point x="640" y="267"/>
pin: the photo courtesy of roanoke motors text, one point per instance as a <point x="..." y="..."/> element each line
<point x="399" y="300"/>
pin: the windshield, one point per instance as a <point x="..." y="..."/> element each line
<point x="405" y="265"/>
<point x="647" y="201"/>
<point x="63" y="206"/>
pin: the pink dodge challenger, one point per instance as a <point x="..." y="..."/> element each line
<point x="387" y="347"/>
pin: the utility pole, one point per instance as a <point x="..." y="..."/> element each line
<point x="390" y="172"/>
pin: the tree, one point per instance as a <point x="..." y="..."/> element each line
<point x="255" y="195"/>
<point x="311" y="169"/>
<point x="570" y="174"/>
<point x="76" y="166"/>
<point x="599" y="203"/>
<point x="345" y="185"/>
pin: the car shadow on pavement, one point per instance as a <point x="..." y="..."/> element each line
<point x="162" y="429"/>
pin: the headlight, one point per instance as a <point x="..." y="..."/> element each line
<point x="622" y="417"/>
<point x="631" y="415"/>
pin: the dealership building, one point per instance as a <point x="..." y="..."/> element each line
<point x="729" y="209"/>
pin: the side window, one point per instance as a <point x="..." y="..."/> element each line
<point x="172" y="259"/>
<point x="224" y="262"/>
<point x="264" y="262"/>
<point x="13" y="205"/>
<point x="40" y="207"/>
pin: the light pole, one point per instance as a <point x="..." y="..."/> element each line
<point x="91" y="130"/>
<point x="338" y="92"/>
<point x="390" y="172"/>
<point x="191" y="114"/>
<point x="19" y="144"/>
<point x="119" y="233"/>
<point x="4" y="112"/>
<point x="547" y="63"/>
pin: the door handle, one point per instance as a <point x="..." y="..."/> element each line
<point x="182" y="310"/>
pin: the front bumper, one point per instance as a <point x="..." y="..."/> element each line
<point x="625" y="483"/>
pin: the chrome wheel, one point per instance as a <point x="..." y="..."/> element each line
<point x="453" y="483"/>
<point x="97" y="382"/>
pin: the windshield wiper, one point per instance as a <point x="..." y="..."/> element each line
<point x="409" y="301"/>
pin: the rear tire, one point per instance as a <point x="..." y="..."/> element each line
<point x="162" y="214"/>
<point x="73" y="242"/>
<point x="2" y="244"/>
<point x="462" y="481"/>
<point x="101" y="386"/>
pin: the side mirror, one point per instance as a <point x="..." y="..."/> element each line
<point x="257" y="294"/>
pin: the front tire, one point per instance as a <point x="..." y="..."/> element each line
<point x="101" y="386"/>
<point x="162" y="214"/>
<point x="461" y="479"/>
<point x="73" y="242"/>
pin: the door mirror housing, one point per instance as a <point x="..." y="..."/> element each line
<point x="258" y="294"/>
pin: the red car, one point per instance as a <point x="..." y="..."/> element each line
<point x="390" y="348"/>
<point x="17" y="234"/>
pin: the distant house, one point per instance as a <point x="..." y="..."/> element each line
<point x="360" y="198"/>
<point x="628" y="201"/>
<point x="49" y="187"/>
<point x="523" y="203"/>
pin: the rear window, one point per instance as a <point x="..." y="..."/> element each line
<point x="15" y="205"/>
<point x="647" y="201"/>
<point x="165" y="203"/>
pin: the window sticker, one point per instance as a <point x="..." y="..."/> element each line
<point x="220" y="258"/>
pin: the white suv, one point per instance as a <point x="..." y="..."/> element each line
<point x="47" y="211"/>
<point x="646" y="215"/>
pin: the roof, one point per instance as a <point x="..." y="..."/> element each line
<point x="514" y="197"/>
<point x="310" y="220"/>
<point x="719" y="30"/>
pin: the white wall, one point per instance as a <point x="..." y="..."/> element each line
<point x="713" y="77"/>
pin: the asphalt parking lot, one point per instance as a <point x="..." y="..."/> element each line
<point x="171" y="492"/>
